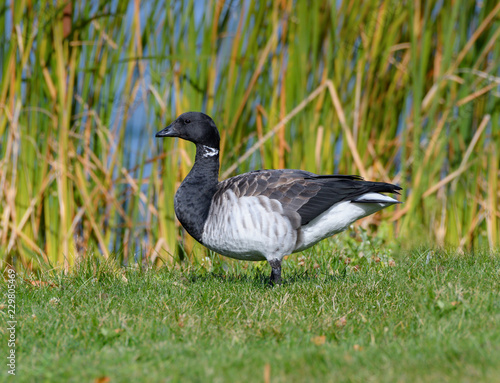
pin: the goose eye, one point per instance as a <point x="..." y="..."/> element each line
<point x="187" y="121"/>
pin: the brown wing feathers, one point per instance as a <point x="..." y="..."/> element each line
<point x="338" y="190"/>
<point x="302" y="192"/>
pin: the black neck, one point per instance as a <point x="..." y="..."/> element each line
<point x="194" y="196"/>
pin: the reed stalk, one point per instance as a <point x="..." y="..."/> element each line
<point x="403" y="92"/>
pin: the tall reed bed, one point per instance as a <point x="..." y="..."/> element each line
<point x="397" y="91"/>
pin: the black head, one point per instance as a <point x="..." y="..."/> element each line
<point x="195" y="127"/>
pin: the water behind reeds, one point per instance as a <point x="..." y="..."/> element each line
<point x="404" y="92"/>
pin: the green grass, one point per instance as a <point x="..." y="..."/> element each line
<point x="404" y="92"/>
<point x="432" y="316"/>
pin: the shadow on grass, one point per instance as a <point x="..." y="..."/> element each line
<point x="262" y="279"/>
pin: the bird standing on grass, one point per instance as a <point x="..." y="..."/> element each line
<point x="264" y="214"/>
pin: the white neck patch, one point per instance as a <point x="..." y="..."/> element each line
<point x="209" y="152"/>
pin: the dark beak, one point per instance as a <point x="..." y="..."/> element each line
<point x="169" y="131"/>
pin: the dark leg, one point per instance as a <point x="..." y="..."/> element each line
<point x="276" y="272"/>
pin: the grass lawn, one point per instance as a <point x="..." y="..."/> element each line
<point x="431" y="316"/>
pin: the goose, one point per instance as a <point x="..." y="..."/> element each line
<point x="264" y="214"/>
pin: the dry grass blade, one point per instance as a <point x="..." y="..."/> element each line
<point x="393" y="93"/>
<point x="275" y="128"/>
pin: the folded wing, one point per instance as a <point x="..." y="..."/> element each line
<point x="304" y="195"/>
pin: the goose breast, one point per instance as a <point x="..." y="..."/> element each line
<point x="249" y="227"/>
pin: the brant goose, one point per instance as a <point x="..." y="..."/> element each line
<point x="264" y="214"/>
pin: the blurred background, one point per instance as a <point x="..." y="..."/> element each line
<point x="406" y="92"/>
